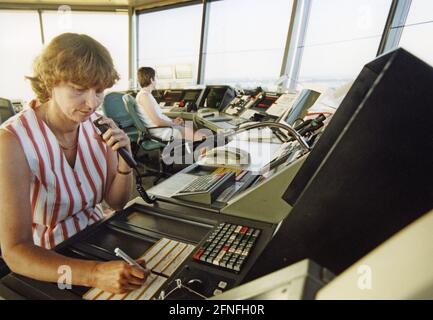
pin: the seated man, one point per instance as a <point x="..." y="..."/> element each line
<point x="151" y="114"/>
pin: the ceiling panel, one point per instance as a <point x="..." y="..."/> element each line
<point x="110" y="3"/>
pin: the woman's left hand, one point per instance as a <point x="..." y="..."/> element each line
<point x="179" y="121"/>
<point x="115" y="137"/>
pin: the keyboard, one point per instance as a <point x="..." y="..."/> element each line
<point x="228" y="246"/>
<point x="163" y="259"/>
<point x="202" y="183"/>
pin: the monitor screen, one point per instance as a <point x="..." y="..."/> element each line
<point x="368" y="176"/>
<point x="217" y="97"/>
<point x="191" y="95"/>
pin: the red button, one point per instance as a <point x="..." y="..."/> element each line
<point x="243" y="230"/>
<point x="198" y="254"/>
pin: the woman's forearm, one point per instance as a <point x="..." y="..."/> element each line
<point x="120" y="189"/>
<point x="47" y="265"/>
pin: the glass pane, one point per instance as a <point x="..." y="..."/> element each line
<point x="109" y="28"/>
<point x="420" y="11"/>
<point x="417" y="35"/>
<point x="246" y="41"/>
<point x="20" y="43"/>
<point x="342" y="36"/>
<point x="169" y="41"/>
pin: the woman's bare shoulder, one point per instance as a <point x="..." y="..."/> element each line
<point x="10" y="144"/>
<point x="7" y="137"/>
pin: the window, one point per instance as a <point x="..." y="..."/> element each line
<point x="246" y="41"/>
<point x="169" y="42"/>
<point x="342" y="36"/>
<point x="20" y="44"/>
<point x="417" y="34"/>
<point x="109" y="28"/>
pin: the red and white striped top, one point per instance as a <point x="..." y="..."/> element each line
<point x="64" y="200"/>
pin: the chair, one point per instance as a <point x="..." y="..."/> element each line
<point x="6" y="109"/>
<point x="145" y="140"/>
<point x="113" y="107"/>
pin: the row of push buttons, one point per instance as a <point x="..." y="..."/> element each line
<point x="228" y="246"/>
<point x="202" y="183"/>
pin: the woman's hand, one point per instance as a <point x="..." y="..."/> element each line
<point x="115" y="137"/>
<point x="178" y="121"/>
<point x="118" y="276"/>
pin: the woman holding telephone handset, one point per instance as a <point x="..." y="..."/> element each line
<point x="55" y="169"/>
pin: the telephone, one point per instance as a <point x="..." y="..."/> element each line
<point x="122" y="151"/>
<point x="226" y="156"/>
<point x="102" y="127"/>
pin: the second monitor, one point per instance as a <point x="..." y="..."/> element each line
<point x="216" y="97"/>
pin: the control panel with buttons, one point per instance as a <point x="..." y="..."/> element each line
<point x="228" y="246"/>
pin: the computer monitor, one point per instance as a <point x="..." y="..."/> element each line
<point x="369" y="175"/>
<point x="352" y="101"/>
<point x="192" y="95"/>
<point x="217" y="97"/>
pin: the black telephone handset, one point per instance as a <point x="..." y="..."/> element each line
<point x="102" y="127"/>
<point x="311" y="125"/>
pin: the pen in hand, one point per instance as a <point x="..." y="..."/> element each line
<point x="128" y="259"/>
